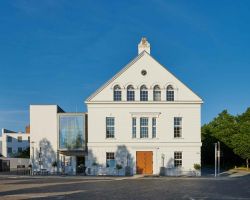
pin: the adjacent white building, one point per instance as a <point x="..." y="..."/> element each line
<point x="13" y="143"/>
<point x="142" y="119"/>
<point x="58" y="137"/>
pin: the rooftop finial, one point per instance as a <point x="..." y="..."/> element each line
<point x="143" y="46"/>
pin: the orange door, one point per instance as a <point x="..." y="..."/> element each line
<point x="144" y="162"/>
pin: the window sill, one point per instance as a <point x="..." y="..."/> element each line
<point x="110" y="138"/>
<point x="178" y="138"/>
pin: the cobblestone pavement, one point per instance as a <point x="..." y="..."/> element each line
<point x="157" y="188"/>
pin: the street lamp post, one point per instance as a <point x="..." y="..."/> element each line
<point x="215" y="159"/>
<point x="218" y="158"/>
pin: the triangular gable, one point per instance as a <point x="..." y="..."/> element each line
<point x="127" y="67"/>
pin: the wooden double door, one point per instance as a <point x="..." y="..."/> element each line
<point x="144" y="162"/>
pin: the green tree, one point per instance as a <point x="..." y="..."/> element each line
<point x="222" y="128"/>
<point x="241" y="141"/>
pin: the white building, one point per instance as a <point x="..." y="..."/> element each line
<point x="59" y="137"/>
<point x="144" y="118"/>
<point x="13" y="143"/>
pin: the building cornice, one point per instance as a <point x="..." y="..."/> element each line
<point x="144" y="103"/>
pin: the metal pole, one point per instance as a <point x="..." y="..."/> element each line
<point x="218" y="158"/>
<point x="215" y="159"/>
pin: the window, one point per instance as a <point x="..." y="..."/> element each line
<point x="117" y="93"/>
<point x="9" y="150"/>
<point x="144" y="127"/>
<point x="177" y="127"/>
<point x="153" y="127"/>
<point x="110" y="159"/>
<point x="157" y="93"/>
<point x="110" y="127"/>
<point x="20" y="149"/>
<point x="71" y="131"/>
<point x="19" y="138"/>
<point x="170" y="93"/>
<point x="9" y="139"/>
<point x="133" y="127"/>
<point x="177" y="158"/>
<point x="130" y="93"/>
<point x="143" y="93"/>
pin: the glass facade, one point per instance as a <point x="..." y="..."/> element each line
<point x="71" y="132"/>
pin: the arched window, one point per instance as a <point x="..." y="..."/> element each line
<point x="144" y="93"/>
<point x="130" y="93"/>
<point x="170" y="93"/>
<point x="157" y="93"/>
<point x="117" y="93"/>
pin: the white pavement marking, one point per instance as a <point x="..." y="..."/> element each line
<point x="38" y="195"/>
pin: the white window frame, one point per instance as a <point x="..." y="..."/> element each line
<point x="143" y="93"/>
<point x="110" y="127"/>
<point x="154" y="133"/>
<point x="117" y="93"/>
<point x="177" y="127"/>
<point x="170" y="93"/>
<point x="130" y="93"/>
<point x="110" y="156"/>
<point x="133" y="127"/>
<point x="144" y="127"/>
<point x="178" y="159"/>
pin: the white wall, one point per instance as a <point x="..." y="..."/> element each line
<point x="43" y="132"/>
<point x="164" y="143"/>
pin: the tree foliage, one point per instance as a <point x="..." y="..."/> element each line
<point x="234" y="134"/>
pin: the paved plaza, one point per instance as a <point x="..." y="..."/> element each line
<point x="13" y="187"/>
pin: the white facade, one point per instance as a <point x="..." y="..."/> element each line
<point x="13" y="142"/>
<point x="144" y="70"/>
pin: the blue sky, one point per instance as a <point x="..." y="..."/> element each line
<point x="59" y="52"/>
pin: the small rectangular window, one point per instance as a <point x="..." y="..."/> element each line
<point x="9" y="150"/>
<point x="177" y="127"/>
<point x="133" y="127"/>
<point x="177" y="158"/>
<point x="110" y="127"/>
<point x="9" y="139"/>
<point x="110" y="159"/>
<point x="20" y="149"/>
<point x="143" y="127"/>
<point x="153" y="127"/>
<point x="19" y="138"/>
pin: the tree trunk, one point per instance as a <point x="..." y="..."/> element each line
<point x="247" y="163"/>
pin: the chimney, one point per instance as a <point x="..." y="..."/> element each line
<point x="144" y="46"/>
<point x="27" y="129"/>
